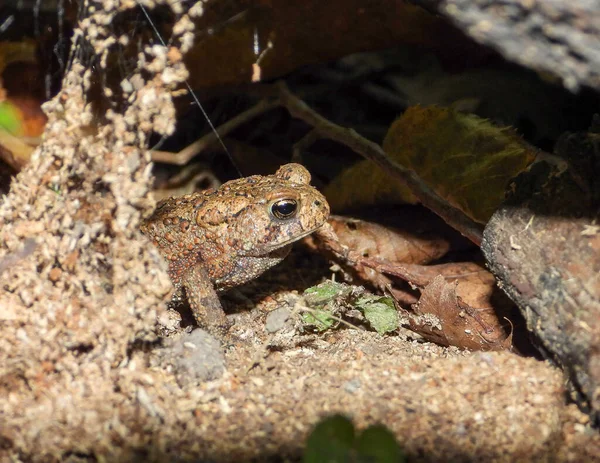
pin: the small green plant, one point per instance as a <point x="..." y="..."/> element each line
<point x="324" y="299"/>
<point x="329" y="299"/>
<point x="334" y="440"/>
<point x="320" y="319"/>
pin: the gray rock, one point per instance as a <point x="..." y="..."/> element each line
<point x="195" y="357"/>
<point x="277" y="319"/>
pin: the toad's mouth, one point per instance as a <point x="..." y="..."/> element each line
<point x="281" y="252"/>
<point x="281" y="248"/>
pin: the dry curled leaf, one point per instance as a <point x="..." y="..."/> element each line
<point x="413" y="239"/>
<point x="394" y="244"/>
<point x="470" y="311"/>
<point x="11" y="52"/>
<point x="23" y="116"/>
<point x="21" y="122"/>
<point x="444" y="317"/>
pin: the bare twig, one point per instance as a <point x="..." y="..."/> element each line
<point x="372" y="151"/>
<point x="309" y="139"/>
<point x="191" y="178"/>
<point x="184" y="156"/>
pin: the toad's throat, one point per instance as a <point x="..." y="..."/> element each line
<point x="249" y="267"/>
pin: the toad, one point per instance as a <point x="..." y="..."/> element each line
<point x="217" y="239"/>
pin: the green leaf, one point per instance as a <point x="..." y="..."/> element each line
<point x="322" y="299"/>
<point x="10" y="118"/>
<point x="330" y="441"/>
<point x="325" y="292"/>
<point x="333" y="440"/>
<point x="320" y="319"/>
<point x="377" y="444"/>
<point x="380" y="312"/>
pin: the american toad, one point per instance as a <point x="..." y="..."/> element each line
<point x="217" y="239"/>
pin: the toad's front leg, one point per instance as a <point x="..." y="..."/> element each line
<point x="204" y="301"/>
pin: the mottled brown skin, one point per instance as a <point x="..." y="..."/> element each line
<point x="217" y="239"/>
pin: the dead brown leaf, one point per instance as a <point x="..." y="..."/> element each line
<point x="390" y="243"/>
<point x="443" y="317"/>
<point x="469" y="311"/>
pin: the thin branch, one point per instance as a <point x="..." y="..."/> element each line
<point x="302" y="145"/>
<point x="373" y="152"/>
<point x="189" y="152"/>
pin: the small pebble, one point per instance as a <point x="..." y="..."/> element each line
<point x="276" y="320"/>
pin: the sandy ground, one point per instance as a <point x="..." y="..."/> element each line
<point x="156" y="404"/>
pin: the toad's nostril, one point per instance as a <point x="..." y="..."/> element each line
<point x="317" y="203"/>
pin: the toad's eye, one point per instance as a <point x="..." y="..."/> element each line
<point x="284" y="208"/>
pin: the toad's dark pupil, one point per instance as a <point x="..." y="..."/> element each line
<point x="284" y="209"/>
